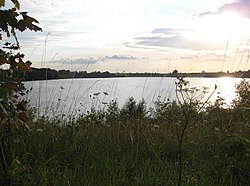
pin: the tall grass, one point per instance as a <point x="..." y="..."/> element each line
<point x="130" y="146"/>
<point x="71" y="97"/>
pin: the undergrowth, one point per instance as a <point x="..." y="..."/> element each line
<point x="132" y="146"/>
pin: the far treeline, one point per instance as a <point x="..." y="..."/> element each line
<point x="47" y="73"/>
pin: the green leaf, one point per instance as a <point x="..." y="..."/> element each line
<point x="28" y="18"/>
<point x="27" y="22"/>
<point x="17" y="4"/>
<point x="10" y="18"/>
<point x="2" y="3"/>
<point x="21" y="25"/>
<point x="24" y="67"/>
<point x="12" y="62"/>
<point x="3" y="24"/>
<point x="28" y="63"/>
<point x="7" y="44"/>
<point x="3" y="60"/>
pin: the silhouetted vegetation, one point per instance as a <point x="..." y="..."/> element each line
<point x="47" y="73"/>
<point x="139" y="146"/>
<point x="13" y="111"/>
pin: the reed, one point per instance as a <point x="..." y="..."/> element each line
<point x="127" y="146"/>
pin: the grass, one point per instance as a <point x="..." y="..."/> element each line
<point x="130" y="147"/>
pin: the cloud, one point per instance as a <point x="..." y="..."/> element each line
<point x="160" y="37"/>
<point x="168" y="31"/>
<point x="91" y="60"/>
<point x="62" y="18"/>
<point x="163" y="37"/>
<point x="166" y="39"/>
<point x="79" y="61"/>
<point x="240" y="6"/>
<point x="172" y="41"/>
<point x="206" y="56"/>
<point x="121" y="57"/>
<point x="216" y="55"/>
<point x="132" y="45"/>
<point x="189" y="57"/>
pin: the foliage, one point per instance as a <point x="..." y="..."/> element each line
<point x="112" y="111"/>
<point x="189" y="101"/>
<point x="168" y="112"/>
<point x="13" y="111"/>
<point x="134" y="110"/>
<point x="243" y="94"/>
<point x="237" y="150"/>
<point x="9" y="85"/>
<point x="92" y="117"/>
<point x="131" y="110"/>
<point x="242" y="101"/>
<point x="133" y="151"/>
<point x="109" y="147"/>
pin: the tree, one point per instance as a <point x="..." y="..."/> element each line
<point x="242" y="94"/>
<point x="13" y="111"/>
<point x="175" y="72"/>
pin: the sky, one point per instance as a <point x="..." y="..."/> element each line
<point x="139" y="35"/>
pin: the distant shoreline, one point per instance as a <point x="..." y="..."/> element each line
<point x="48" y="74"/>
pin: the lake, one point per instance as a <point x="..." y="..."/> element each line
<point x="75" y="96"/>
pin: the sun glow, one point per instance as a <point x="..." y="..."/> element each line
<point x="221" y="26"/>
<point x="233" y="23"/>
<point x="226" y="89"/>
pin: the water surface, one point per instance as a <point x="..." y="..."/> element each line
<point x="74" y="96"/>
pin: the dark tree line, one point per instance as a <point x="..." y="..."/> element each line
<point x="47" y="74"/>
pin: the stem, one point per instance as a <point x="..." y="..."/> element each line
<point x="4" y="165"/>
<point x="202" y="106"/>
<point x="180" y="141"/>
<point x="3" y="161"/>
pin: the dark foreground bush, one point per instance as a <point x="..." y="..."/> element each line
<point x="132" y="151"/>
<point x="129" y="146"/>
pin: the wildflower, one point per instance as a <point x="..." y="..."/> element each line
<point x="216" y="129"/>
<point x="156" y="126"/>
<point x="39" y="130"/>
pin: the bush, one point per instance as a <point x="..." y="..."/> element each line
<point x="243" y="95"/>
<point x="13" y="111"/>
<point x="132" y="109"/>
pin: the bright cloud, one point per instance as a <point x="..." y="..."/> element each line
<point x="119" y="35"/>
<point x="242" y="7"/>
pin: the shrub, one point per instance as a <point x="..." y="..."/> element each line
<point x="243" y="94"/>
<point x="13" y="111"/>
<point x="132" y="109"/>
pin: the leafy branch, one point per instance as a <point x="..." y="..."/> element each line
<point x="13" y="110"/>
<point x="189" y="104"/>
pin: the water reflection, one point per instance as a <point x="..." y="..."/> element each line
<point x="225" y="87"/>
<point x="74" y="96"/>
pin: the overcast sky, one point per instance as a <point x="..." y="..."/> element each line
<point x="139" y="35"/>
